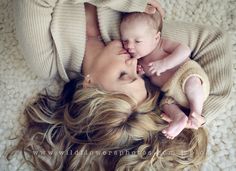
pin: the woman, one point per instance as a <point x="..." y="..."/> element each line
<point x="53" y="33"/>
<point x="123" y="120"/>
<point x="91" y="129"/>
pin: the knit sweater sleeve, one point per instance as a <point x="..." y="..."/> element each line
<point x="52" y="34"/>
<point x="33" y="18"/>
<point x="211" y="49"/>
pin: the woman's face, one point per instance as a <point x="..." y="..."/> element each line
<point x="114" y="70"/>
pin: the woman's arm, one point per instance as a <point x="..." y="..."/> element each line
<point x="33" y="18"/>
<point x="122" y="5"/>
<point x="94" y="45"/>
<point x="148" y="6"/>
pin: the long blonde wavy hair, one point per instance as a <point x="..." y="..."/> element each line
<point x="90" y="129"/>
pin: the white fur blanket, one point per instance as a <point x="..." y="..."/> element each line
<point x="18" y="83"/>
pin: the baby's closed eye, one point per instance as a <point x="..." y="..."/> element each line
<point x="124" y="41"/>
<point x="138" y="41"/>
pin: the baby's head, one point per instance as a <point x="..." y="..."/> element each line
<point x="140" y="33"/>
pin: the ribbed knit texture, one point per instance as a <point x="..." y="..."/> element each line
<point x="175" y="86"/>
<point x="52" y="37"/>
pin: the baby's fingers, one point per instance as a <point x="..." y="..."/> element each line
<point x="139" y="67"/>
<point x="150" y="64"/>
<point x="152" y="70"/>
<point x="158" y="73"/>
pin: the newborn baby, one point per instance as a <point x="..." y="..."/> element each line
<point x="169" y="67"/>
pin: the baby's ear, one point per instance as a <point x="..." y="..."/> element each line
<point x="158" y="35"/>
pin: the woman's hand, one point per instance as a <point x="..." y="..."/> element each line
<point x="154" y="6"/>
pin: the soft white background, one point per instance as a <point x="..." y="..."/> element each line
<point x="18" y="83"/>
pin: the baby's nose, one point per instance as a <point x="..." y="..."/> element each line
<point x="130" y="45"/>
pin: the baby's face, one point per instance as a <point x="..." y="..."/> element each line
<point x="138" y="38"/>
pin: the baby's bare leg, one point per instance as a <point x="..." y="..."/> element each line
<point x="178" y="123"/>
<point x="194" y="92"/>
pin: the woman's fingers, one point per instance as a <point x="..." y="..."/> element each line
<point x="150" y="9"/>
<point x="116" y="43"/>
<point x="123" y="51"/>
<point x="116" y="47"/>
<point x="156" y="5"/>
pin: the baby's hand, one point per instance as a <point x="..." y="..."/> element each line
<point x="157" y="67"/>
<point x="140" y="70"/>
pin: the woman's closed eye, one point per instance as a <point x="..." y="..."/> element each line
<point x="125" y="77"/>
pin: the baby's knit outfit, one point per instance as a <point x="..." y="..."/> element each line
<point x="174" y="88"/>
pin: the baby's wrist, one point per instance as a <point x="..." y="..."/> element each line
<point x="167" y="63"/>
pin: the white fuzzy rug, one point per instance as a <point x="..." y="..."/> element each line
<point x="18" y="83"/>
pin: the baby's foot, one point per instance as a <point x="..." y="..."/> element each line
<point x="176" y="126"/>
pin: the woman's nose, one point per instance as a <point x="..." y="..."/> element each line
<point x="132" y="66"/>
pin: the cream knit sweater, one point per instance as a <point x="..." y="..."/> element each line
<point x="52" y="36"/>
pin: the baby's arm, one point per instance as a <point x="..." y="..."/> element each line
<point x="178" y="53"/>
